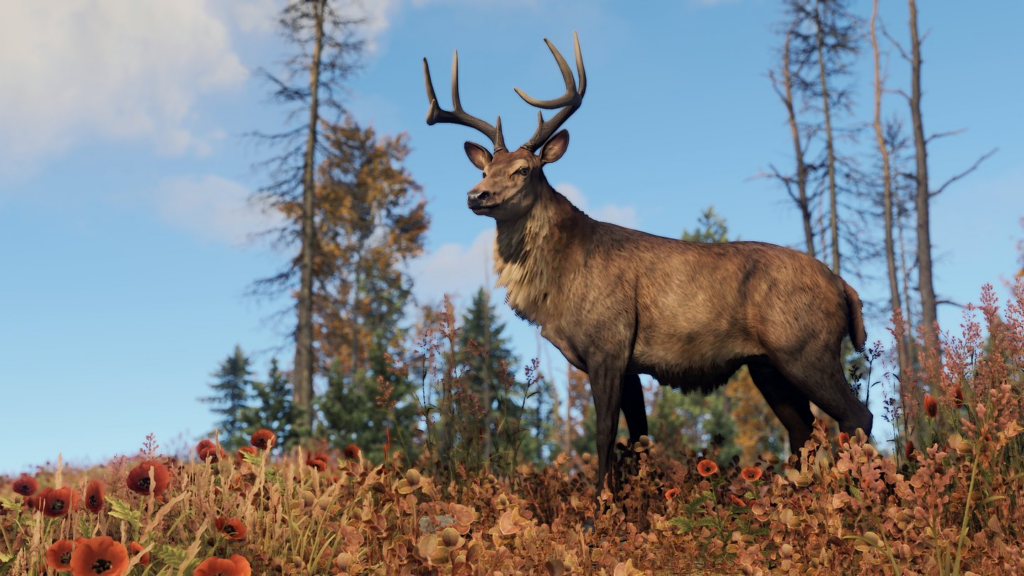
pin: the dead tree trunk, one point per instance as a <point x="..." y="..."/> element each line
<point x="887" y="201"/>
<point x="304" y="337"/>
<point x="829" y="142"/>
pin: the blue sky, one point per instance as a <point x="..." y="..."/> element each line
<point x="124" y="172"/>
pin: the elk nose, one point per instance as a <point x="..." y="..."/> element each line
<point x="478" y="197"/>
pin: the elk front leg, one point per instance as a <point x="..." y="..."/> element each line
<point x="606" y="386"/>
<point x="633" y="407"/>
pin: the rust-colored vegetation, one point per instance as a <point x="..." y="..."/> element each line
<point x="943" y="498"/>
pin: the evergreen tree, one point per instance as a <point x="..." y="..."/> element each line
<point x="485" y="354"/>
<point x="231" y="395"/>
<point x="273" y="407"/>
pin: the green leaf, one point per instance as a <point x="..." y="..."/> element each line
<point x="10" y="504"/>
<point x="170" y="555"/>
<point x="123" y="511"/>
<point x="5" y="557"/>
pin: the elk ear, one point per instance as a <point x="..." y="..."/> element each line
<point x="478" y="155"/>
<point x="555" y="147"/>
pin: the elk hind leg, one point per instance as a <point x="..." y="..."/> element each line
<point x="633" y="407"/>
<point x="824" y="384"/>
<point x="789" y="404"/>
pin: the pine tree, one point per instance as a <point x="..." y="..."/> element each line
<point x="231" y="395"/>
<point x="486" y="357"/>
<point x="273" y="408"/>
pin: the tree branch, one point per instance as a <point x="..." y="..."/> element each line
<point x="977" y="163"/>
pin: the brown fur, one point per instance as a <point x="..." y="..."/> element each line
<point x="618" y="303"/>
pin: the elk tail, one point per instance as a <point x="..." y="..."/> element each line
<point x="855" y="321"/>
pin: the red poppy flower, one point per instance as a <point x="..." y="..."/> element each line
<point x="352" y="452"/>
<point x="931" y="406"/>
<point x="138" y="478"/>
<point x="94" y="496"/>
<point x="908" y="450"/>
<point x="58" y="555"/>
<point x="958" y="397"/>
<point x="134" y="548"/>
<point x="671" y="493"/>
<point x="26" y="485"/>
<point x="317" y="460"/>
<point x="231" y="528"/>
<point x="57" y="503"/>
<point x="844" y="438"/>
<point x="706" y="468"/>
<point x="751" y="474"/>
<point x="207" y="449"/>
<point x="100" y="556"/>
<point x="36" y="502"/>
<point x="234" y="566"/>
<point x="737" y="500"/>
<point x="263" y="439"/>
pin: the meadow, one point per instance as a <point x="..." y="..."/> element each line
<point x="943" y="497"/>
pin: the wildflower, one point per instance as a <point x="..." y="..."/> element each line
<point x="844" y="438"/>
<point x="706" y="467"/>
<point x="234" y="566"/>
<point x="931" y="406"/>
<point x="208" y="450"/>
<point x="100" y="556"/>
<point x="737" y="500"/>
<point x="908" y="450"/>
<point x="94" y="496"/>
<point x="671" y="493"/>
<point x="36" y="502"/>
<point x="57" y="503"/>
<point x="134" y="547"/>
<point x="263" y="439"/>
<point x="231" y="528"/>
<point x="317" y="460"/>
<point x="26" y="485"/>
<point x="751" y="473"/>
<point x="58" y="555"/>
<point x="138" y="478"/>
<point x="958" y="397"/>
<point x="352" y="452"/>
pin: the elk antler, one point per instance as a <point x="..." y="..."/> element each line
<point x="569" y="102"/>
<point x="436" y="115"/>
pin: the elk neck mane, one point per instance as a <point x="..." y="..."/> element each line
<point x="531" y="252"/>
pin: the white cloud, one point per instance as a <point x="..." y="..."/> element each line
<point x="262" y="15"/>
<point x="614" y="213"/>
<point x="212" y="208"/>
<point x="455" y="268"/>
<point x="122" y="69"/>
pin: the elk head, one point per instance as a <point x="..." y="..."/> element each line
<point x="512" y="180"/>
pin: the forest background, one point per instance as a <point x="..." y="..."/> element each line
<point x="127" y="174"/>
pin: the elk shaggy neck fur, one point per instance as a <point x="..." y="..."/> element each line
<point x="530" y="252"/>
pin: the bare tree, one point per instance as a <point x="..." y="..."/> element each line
<point x="783" y="86"/>
<point x="312" y="85"/>
<point x="887" y="199"/>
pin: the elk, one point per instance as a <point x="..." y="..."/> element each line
<point x="618" y="303"/>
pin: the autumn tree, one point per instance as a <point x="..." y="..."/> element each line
<point x="370" y="222"/>
<point x="311" y="85"/>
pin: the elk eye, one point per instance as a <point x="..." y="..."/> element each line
<point x="524" y="171"/>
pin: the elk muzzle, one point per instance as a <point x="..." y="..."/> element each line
<point x="480" y="200"/>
